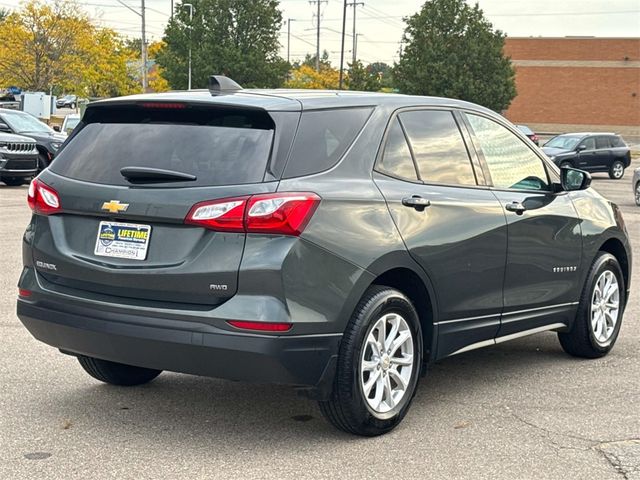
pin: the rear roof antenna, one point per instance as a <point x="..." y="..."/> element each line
<point x="219" y="85"/>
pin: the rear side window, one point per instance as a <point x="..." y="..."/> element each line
<point x="217" y="146"/>
<point x="438" y="147"/>
<point x="602" y="142"/>
<point x="396" y="158"/>
<point x="589" y="143"/>
<point x="322" y="139"/>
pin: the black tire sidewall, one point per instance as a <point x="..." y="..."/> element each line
<point x="604" y="262"/>
<point x="385" y="301"/>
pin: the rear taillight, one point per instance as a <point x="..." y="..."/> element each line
<point x="42" y="198"/>
<point x="279" y="213"/>
<point x="24" y="293"/>
<point x="534" y="137"/>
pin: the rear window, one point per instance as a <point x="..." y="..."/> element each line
<point x="322" y="139"/>
<point x="217" y="146"/>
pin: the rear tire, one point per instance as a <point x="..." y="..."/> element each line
<point x="117" y="373"/>
<point x="588" y="338"/>
<point x="380" y="354"/>
<point x="14" y="181"/>
<point x="616" y="171"/>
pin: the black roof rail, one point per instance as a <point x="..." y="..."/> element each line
<point x="219" y="85"/>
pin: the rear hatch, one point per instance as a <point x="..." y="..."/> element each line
<point x="127" y="179"/>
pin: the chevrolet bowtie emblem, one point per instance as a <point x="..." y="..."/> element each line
<point x="114" y="206"/>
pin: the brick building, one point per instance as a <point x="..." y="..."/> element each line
<point x="576" y="83"/>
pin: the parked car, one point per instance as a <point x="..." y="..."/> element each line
<point x="47" y="140"/>
<point x="70" y="122"/>
<point x="592" y="152"/>
<point x="529" y="134"/>
<point x="18" y="159"/>
<point x="636" y="185"/>
<point x="68" y="101"/>
<point x="336" y="242"/>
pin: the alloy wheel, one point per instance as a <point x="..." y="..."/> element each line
<point x="386" y="364"/>
<point x="605" y="307"/>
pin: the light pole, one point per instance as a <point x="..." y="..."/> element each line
<point x="289" y="20"/>
<point x="190" y="6"/>
<point x="145" y="83"/>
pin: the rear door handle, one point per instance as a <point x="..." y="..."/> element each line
<point x="515" y="207"/>
<point x="417" y="202"/>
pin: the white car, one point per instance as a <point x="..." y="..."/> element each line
<point x="70" y="122"/>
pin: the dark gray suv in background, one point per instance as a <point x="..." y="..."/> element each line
<point x="337" y="242"/>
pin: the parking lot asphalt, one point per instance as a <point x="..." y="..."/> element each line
<point x="518" y="410"/>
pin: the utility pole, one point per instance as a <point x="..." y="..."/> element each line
<point x="318" y="3"/>
<point x="145" y="83"/>
<point x="344" y="27"/>
<point x="289" y="20"/>
<point x="190" y="7"/>
<point x="355" y="41"/>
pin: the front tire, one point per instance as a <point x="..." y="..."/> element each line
<point x="117" y="373"/>
<point x="599" y="317"/>
<point x="616" y="171"/>
<point x="637" y="195"/>
<point x="378" y="366"/>
<point x="566" y="165"/>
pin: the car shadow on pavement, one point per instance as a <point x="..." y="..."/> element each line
<point x="217" y="413"/>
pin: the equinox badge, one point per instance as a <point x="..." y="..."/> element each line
<point x="114" y="206"/>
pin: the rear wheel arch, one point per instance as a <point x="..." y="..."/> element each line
<point x="421" y="295"/>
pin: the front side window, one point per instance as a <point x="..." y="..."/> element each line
<point x="510" y="162"/>
<point x="440" y="153"/>
<point x="588" y="143"/>
<point x="396" y="159"/>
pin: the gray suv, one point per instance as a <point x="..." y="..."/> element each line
<point x="338" y="242"/>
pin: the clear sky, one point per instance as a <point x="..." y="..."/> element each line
<point x="380" y="25"/>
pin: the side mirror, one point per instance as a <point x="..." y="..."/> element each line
<point x="56" y="128"/>
<point x="581" y="148"/>
<point x="573" y="179"/>
<point x="4" y="128"/>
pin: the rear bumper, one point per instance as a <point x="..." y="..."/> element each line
<point x="304" y="361"/>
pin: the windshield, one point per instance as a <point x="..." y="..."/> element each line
<point x="23" y="122"/>
<point x="563" y="142"/>
<point x="526" y="130"/>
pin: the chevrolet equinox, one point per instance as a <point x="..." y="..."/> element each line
<point x="337" y="242"/>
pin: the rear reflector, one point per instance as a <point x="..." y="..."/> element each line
<point x="261" y="326"/>
<point x="42" y="198"/>
<point x="285" y="213"/>
<point x="22" y="292"/>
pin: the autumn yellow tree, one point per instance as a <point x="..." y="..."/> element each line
<point x="55" y="46"/>
<point x="306" y="76"/>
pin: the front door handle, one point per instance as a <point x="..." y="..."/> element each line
<point x="417" y="202"/>
<point x="515" y="207"/>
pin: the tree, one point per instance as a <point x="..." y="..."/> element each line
<point x="367" y="79"/>
<point x="234" y="38"/>
<point x="55" y="46"/>
<point x="306" y="76"/>
<point x="451" y="50"/>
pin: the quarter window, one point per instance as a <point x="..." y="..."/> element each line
<point x="438" y="147"/>
<point x="511" y="163"/>
<point x="396" y="159"/>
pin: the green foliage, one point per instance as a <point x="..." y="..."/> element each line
<point x="372" y="78"/>
<point x="451" y="50"/>
<point x="237" y="38"/>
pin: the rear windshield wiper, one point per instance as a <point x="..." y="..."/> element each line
<point x="151" y="175"/>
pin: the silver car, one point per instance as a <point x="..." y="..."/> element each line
<point x="636" y="185"/>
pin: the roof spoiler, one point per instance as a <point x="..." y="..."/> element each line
<point x="219" y="85"/>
